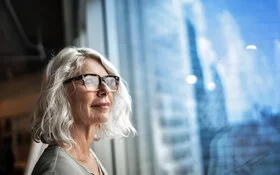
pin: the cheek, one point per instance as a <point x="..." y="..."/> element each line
<point x="84" y="101"/>
<point x="111" y="98"/>
<point x="80" y="102"/>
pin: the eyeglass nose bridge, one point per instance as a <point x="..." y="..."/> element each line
<point x="102" y="79"/>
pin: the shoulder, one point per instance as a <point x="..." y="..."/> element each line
<point x="56" y="161"/>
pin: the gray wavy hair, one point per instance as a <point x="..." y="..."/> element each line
<point x="52" y="118"/>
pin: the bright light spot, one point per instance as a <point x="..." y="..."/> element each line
<point x="191" y="79"/>
<point x="211" y="86"/>
<point x="251" y="47"/>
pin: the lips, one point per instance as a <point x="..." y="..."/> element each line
<point x="101" y="105"/>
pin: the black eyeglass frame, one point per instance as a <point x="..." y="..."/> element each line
<point x="81" y="77"/>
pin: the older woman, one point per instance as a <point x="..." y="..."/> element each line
<point x="82" y="100"/>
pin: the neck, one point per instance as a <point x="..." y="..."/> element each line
<point x="83" y="136"/>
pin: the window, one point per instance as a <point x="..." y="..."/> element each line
<point x="223" y="120"/>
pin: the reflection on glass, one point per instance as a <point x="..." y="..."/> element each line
<point x="211" y="86"/>
<point x="191" y="79"/>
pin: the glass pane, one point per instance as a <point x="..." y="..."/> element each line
<point x="204" y="78"/>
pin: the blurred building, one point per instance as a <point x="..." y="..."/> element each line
<point x="210" y="104"/>
<point x="174" y="135"/>
<point x="201" y="96"/>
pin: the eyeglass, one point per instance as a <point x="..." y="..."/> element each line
<point x="93" y="81"/>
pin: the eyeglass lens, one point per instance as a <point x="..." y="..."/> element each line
<point x="92" y="82"/>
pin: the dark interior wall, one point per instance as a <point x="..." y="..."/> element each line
<point x="30" y="31"/>
<point x="41" y="18"/>
<point x="9" y="40"/>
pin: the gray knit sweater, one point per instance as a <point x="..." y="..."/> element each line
<point x="56" y="161"/>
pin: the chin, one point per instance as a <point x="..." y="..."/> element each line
<point x="103" y="119"/>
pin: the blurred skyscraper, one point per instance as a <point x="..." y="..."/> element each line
<point x="201" y="97"/>
<point x="175" y="146"/>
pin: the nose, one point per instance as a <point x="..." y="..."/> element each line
<point x="103" y="90"/>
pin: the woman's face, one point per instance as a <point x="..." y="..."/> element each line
<point x="90" y="107"/>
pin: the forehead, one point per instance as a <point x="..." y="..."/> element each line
<point x="93" y="66"/>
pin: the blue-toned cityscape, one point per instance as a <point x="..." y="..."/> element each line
<point x="211" y="71"/>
